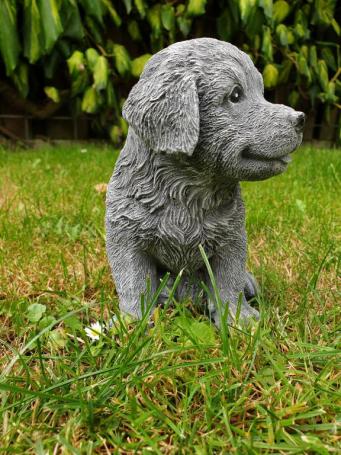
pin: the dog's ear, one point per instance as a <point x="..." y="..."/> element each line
<point x="164" y="112"/>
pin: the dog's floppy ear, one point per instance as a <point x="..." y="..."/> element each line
<point x="164" y="111"/>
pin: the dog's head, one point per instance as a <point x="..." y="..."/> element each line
<point x="204" y="98"/>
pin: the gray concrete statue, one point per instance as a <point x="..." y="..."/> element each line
<point x="198" y="125"/>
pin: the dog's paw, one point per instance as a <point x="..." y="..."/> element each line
<point x="251" y="288"/>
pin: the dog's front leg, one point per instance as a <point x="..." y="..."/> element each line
<point x="132" y="269"/>
<point x="229" y="272"/>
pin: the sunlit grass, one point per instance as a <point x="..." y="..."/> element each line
<point x="180" y="386"/>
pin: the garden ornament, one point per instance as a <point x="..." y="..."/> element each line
<point x="198" y="125"/>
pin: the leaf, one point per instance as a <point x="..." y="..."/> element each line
<point x="73" y="323"/>
<point x="113" y="13"/>
<point x="140" y="7"/>
<point x="313" y="57"/>
<point x="324" y="10"/>
<point x="51" y="22"/>
<point x="73" y="27"/>
<point x="270" y="75"/>
<point x="168" y="17"/>
<point x="35" y="312"/>
<point x="267" y="7"/>
<point x="77" y="70"/>
<point x="94" y="8"/>
<point x="76" y="63"/>
<point x="58" y="338"/>
<point x="91" y="57"/>
<point x="52" y="93"/>
<point x="33" y="48"/>
<point x="122" y="59"/>
<point x="90" y="101"/>
<point x="111" y="99"/>
<point x="329" y="58"/>
<point x="196" y="7"/>
<point x="293" y="99"/>
<point x="300" y="31"/>
<point x="196" y="332"/>
<point x="46" y="321"/>
<point x="184" y="25"/>
<point x="115" y="134"/>
<point x="138" y="64"/>
<point x="20" y="79"/>
<point x="267" y="44"/>
<point x="280" y="11"/>
<point x="9" y="42"/>
<point x="303" y="67"/>
<point x="134" y="30"/>
<point x="154" y="18"/>
<point x="284" y="72"/>
<point x="291" y="36"/>
<point x="101" y="72"/>
<point x="128" y="5"/>
<point x="254" y="24"/>
<point x="322" y="74"/>
<point x="282" y="34"/>
<point x="336" y="26"/>
<point x="246" y="7"/>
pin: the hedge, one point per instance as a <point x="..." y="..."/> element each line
<point x="88" y="53"/>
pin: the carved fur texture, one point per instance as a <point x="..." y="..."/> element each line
<point x="198" y="125"/>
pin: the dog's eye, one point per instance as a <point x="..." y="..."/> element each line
<point x="236" y="95"/>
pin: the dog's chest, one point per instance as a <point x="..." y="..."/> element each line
<point x="180" y="231"/>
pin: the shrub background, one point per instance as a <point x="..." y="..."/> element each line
<point x="84" y="55"/>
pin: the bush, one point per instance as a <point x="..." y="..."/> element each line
<point x="89" y="52"/>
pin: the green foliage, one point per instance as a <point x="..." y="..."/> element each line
<point x="101" y="46"/>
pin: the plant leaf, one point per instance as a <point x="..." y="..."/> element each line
<point x="267" y="7"/>
<point x="90" y="100"/>
<point x="113" y="13"/>
<point x="51" y="22"/>
<point x="168" y="17"/>
<point x="270" y="75"/>
<point x="9" y="42"/>
<point x="267" y="44"/>
<point x="246" y="7"/>
<point x="282" y="34"/>
<point x="196" y="7"/>
<point x="101" y="72"/>
<point x="94" y="8"/>
<point x="280" y="11"/>
<point x="138" y="64"/>
<point x="71" y="19"/>
<point x="91" y="57"/>
<point x="35" y="312"/>
<point x="52" y="93"/>
<point x="154" y="18"/>
<point x="140" y="7"/>
<point x="122" y="59"/>
<point x="33" y="48"/>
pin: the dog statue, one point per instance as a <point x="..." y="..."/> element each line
<point x="198" y="125"/>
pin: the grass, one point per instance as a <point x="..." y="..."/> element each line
<point x="181" y="386"/>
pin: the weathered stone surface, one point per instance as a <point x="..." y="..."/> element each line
<point x="199" y="124"/>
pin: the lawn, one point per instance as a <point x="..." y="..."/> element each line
<point x="180" y="386"/>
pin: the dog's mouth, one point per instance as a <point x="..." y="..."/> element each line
<point x="249" y="154"/>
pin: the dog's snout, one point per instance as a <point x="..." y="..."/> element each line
<point x="298" y="120"/>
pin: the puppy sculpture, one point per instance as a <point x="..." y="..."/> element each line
<point x="198" y="124"/>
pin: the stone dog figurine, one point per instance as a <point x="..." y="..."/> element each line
<point x="199" y="124"/>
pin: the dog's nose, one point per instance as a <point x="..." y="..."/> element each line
<point x="298" y="120"/>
